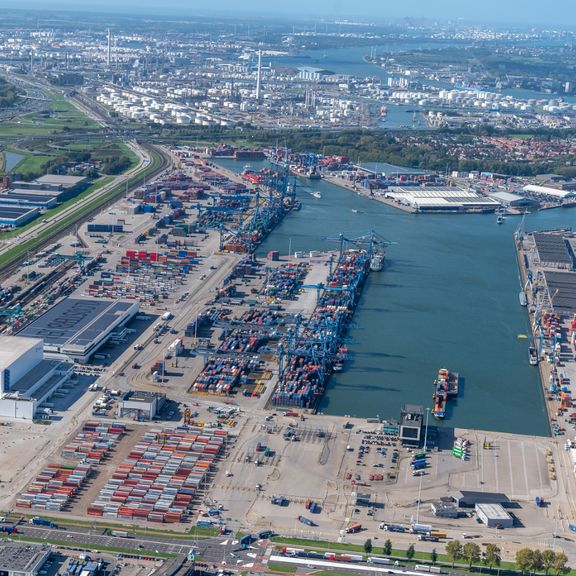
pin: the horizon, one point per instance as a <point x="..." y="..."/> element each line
<point x="515" y="13"/>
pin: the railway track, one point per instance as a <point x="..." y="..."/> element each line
<point x="37" y="244"/>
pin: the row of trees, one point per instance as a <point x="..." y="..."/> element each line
<point x="528" y="561"/>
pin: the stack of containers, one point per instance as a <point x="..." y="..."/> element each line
<point x="53" y="488"/>
<point x="94" y="441"/>
<point x="221" y="375"/>
<point x="161" y="475"/>
<point x="302" y="381"/>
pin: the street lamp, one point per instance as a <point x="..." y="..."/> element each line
<point x="426" y="430"/>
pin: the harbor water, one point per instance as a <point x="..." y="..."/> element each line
<point x="11" y="160"/>
<point x="447" y="297"/>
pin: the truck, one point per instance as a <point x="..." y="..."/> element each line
<point x="353" y="528"/>
<point x="245" y="541"/>
<point x="378" y="560"/>
<point x="167" y="316"/>
<point x="279" y="501"/>
<point x="9" y="529"/>
<point x="37" y="521"/>
<point x="121" y="534"/>
<point x="306" y="521"/>
<point x="540" y="502"/>
<point x="265" y="534"/>
<point x="418" y="465"/>
<point x="439" y="535"/>
<point x="392" y="527"/>
<point x="292" y="551"/>
<point x="416" y="528"/>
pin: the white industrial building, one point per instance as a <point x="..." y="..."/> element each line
<point x="442" y="199"/>
<point x="548" y="192"/>
<point x="494" y="516"/>
<point x="27" y="379"/>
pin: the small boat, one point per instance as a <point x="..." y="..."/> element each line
<point x="500" y="219"/>
<point x="533" y="356"/>
<point x="522" y="298"/>
<point x="354" y="210"/>
<point x="316" y="194"/>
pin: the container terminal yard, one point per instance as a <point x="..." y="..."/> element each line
<point x="197" y="371"/>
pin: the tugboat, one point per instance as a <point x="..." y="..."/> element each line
<point x="533" y="356"/>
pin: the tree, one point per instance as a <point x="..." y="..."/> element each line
<point x="454" y="551"/>
<point x="548" y="559"/>
<point x="434" y="556"/>
<point x="524" y="560"/>
<point x="492" y="556"/>
<point x="471" y="553"/>
<point x="410" y="552"/>
<point x="560" y="562"/>
<point x="387" y="548"/>
<point x="536" y="561"/>
<point x="368" y="546"/>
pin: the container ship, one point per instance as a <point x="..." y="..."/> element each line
<point x="446" y="385"/>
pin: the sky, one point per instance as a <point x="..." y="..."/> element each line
<point x="507" y="11"/>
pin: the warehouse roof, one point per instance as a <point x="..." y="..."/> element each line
<point x="12" y="347"/>
<point x="552" y="248"/>
<point x="493" y="511"/>
<point x="18" y="557"/>
<point x="548" y="191"/>
<point x="57" y="180"/>
<point x="15" y="211"/>
<point x="77" y="321"/>
<point x="562" y="288"/>
<point x="440" y="197"/>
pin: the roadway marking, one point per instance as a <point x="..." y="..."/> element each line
<point x="525" y="470"/>
<point x="511" y="474"/>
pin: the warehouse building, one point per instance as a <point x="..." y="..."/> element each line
<point x="548" y="192"/>
<point x="16" y="216"/>
<point x="27" y="379"/>
<point x="494" y="516"/>
<point x="22" y="198"/>
<point x="442" y="199"/>
<point x="22" y="559"/>
<point x="78" y="327"/>
<point x="140" y="405"/>
<point x="510" y="200"/>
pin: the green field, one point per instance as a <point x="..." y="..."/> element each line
<point x="62" y="117"/>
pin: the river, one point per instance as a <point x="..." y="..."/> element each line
<point x="447" y="297"/>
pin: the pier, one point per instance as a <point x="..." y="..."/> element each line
<point x="541" y="258"/>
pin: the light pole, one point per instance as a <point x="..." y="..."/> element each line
<point x="426" y="430"/>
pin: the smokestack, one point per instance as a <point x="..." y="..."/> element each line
<point x="259" y="76"/>
<point x="109" y="53"/>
